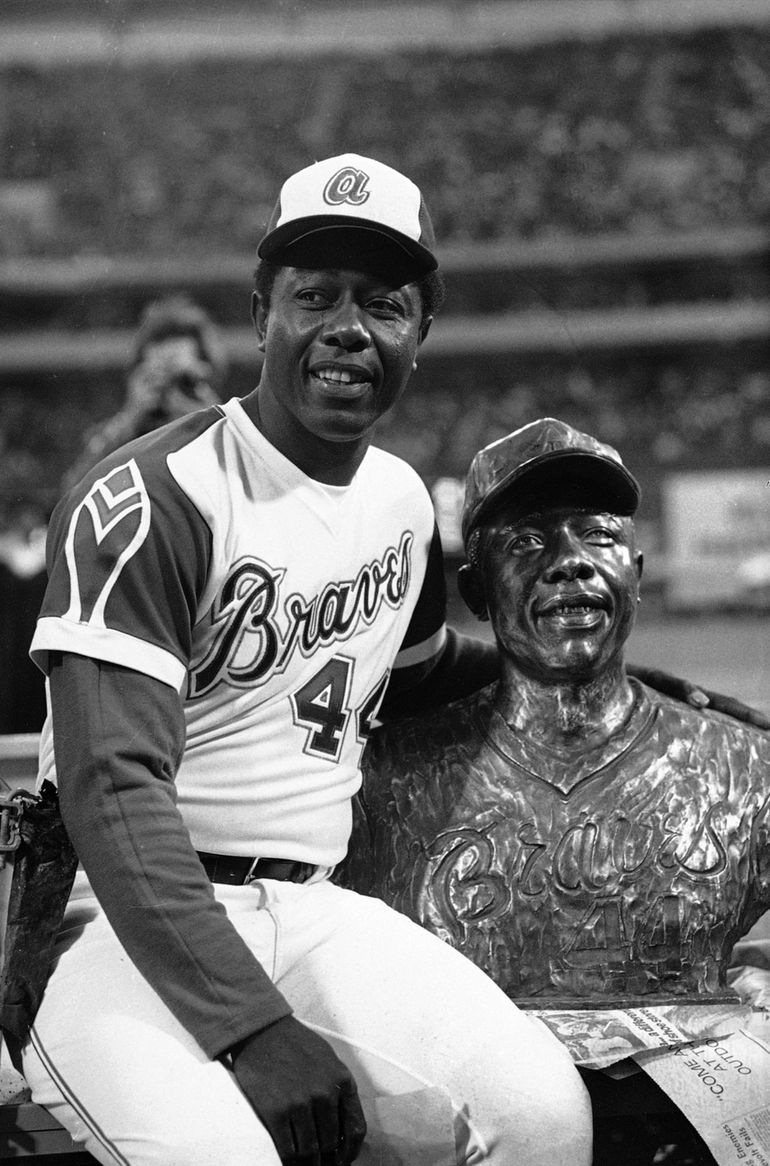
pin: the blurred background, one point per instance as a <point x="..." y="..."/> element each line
<point x="598" y="172"/>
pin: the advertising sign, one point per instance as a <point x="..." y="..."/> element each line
<point x="717" y="532"/>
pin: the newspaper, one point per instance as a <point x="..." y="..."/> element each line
<point x="713" y="1061"/>
<point x="722" y="1086"/>
<point x="600" y="1037"/>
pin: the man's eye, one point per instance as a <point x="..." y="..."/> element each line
<point x="601" y="534"/>
<point x="525" y="542"/>
<point x="312" y="296"/>
<point x="383" y="306"/>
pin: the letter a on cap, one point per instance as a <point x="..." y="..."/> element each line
<point x="347" y="185"/>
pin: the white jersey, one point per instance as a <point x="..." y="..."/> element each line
<point x="275" y="604"/>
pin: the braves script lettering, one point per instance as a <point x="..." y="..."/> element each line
<point x="591" y="899"/>
<point x="251" y="638"/>
<point x="589" y="856"/>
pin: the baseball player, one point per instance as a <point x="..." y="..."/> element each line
<point x="582" y="838"/>
<point x="229" y="598"/>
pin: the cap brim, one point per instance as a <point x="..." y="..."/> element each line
<point x="602" y="481"/>
<point x="327" y="240"/>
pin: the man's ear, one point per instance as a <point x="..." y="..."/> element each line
<point x="425" y="327"/>
<point x="471" y="588"/>
<point x="259" y="317"/>
<point x="639" y="564"/>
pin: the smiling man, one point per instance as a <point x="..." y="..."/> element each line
<point x="229" y="599"/>
<point x="581" y="837"/>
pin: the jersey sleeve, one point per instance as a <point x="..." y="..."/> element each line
<point x="424" y="640"/>
<point x="118" y="736"/>
<point x="436" y="665"/>
<point x="127" y="556"/>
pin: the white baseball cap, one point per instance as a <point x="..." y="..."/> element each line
<point x="331" y="203"/>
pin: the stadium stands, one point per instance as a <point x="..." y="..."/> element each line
<point x="602" y="203"/>
<point x="640" y="135"/>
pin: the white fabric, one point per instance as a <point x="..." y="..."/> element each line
<point x="360" y="188"/>
<point x="306" y="602"/>
<point x="404" y="1010"/>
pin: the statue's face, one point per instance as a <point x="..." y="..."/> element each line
<point x="561" y="588"/>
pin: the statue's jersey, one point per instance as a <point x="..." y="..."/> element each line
<point x="275" y="604"/>
<point x="622" y="872"/>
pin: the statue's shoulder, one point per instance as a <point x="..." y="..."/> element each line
<point x="722" y="731"/>
<point x="434" y="733"/>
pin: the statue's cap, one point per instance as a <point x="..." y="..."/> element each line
<point x="539" y="454"/>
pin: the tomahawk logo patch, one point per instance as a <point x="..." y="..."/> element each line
<point x="105" y="532"/>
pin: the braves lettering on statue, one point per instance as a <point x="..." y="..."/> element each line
<point x="628" y="871"/>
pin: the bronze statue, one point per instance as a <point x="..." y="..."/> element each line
<point x="583" y="838"/>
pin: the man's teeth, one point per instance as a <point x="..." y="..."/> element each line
<point x="339" y="376"/>
<point x="572" y="608"/>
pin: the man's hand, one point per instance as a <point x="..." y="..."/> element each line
<point x="170" y="382"/>
<point x="698" y="697"/>
<point x="303" y="1093"/>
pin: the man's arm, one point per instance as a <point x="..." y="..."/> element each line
<point x="467" y="664"/>
<point x="697" y="696"/>
<point x="464" y="665"/>
<point x="118" y="737"/>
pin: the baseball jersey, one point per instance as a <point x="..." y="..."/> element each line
<point x="623" y="871"/>
<point x="276" y="605"/>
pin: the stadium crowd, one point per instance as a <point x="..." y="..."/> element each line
<point x="635" y="134"/>
<point x="638" y="135"/>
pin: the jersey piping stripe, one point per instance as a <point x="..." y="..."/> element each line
<point x="106" y="644"/>
<point x="73" y="1101"/>
<point x="423" y="651"/>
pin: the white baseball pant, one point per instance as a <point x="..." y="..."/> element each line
<point x="401" y="1008"/>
